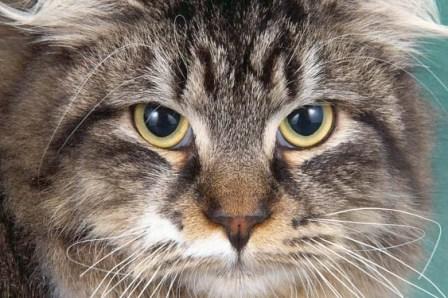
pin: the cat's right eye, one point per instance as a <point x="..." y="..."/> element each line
<point x="161" y="126"/>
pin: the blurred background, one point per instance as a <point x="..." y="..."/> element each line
<point x="434" y="77"/>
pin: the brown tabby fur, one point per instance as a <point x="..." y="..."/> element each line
<point x="77" y="178"/>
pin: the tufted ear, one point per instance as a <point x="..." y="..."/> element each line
<point x="64" y="22"/>
<point x="401" y="23"/>
<point x="416" y="16"/>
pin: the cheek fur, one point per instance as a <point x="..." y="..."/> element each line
<point x="158" y="229"/>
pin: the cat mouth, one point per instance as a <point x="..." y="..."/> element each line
<point x="251" y="266"/>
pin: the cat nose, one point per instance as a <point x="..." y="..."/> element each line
<point x="238" y="228"/>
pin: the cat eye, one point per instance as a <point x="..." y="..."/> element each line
<point x="161" y="126"/>
<point x="306" y="126"/>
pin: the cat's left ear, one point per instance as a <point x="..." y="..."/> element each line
<point x="401" y="23"/>
<point x="66" y="23"/>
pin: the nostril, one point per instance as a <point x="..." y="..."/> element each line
<point x="238" y="228"/>
<point x="217" y="216"/>
<point x="258" y="218"/>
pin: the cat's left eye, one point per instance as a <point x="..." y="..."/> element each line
<point x="161" y="126"/>
<point x="307" y="126"/>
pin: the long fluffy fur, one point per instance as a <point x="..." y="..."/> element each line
<point x="64" y="22"/>
<point x="370" y="161"/>
<point x="415" y="19"/>
<point x="67" y="20"/>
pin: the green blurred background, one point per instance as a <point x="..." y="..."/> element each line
<point x="437" y="61"/>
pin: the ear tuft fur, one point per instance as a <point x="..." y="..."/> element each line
<point x="401" y="25"/>
<point x="418" y="17"/>
<point x="64" y="22"/>
<point x="70" y="22"/>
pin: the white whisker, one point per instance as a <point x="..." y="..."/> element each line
<point x="123" y="262"/>
<point x="439" y="226"/>
<point x="334" y="275"/>
<point x="338" y="268"/>
<point x="316" y="278"/>
<point x="128" y="261"/>
<point x="149" y="281"/>
<point x="109" y="254"/>
<point x="404" y="264"/>
<point x="67" y="251"/>
<point x="162" y="280"/>
<point x="165" y="246"/>
<point x="325" y="280"/>
<point x="396" y="234"/>
<point x="385" y="282"/>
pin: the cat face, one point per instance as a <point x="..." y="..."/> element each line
<point x="252" y="197"/>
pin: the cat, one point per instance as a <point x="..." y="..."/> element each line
<point x="211" y="148"/>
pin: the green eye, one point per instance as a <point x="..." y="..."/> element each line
<point x="307" y="126"/>
<point x="160" y="126"/>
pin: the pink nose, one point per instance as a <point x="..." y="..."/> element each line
<point x="238" y="228"/>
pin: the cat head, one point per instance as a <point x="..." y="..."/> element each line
<point x="221" y="144"/>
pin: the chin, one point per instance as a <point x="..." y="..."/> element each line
<point x="236" y="283"/>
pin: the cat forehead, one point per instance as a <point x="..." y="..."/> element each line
<point x="264" y="70"/>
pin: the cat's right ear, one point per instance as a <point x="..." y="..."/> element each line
<point x="67" y="23"/>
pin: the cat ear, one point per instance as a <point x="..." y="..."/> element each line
<point x="417" y="16"/>
<point x="403" y="23"/>
<point x="64" y="22"/>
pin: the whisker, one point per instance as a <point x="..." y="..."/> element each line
<point x="136" y="280"/>
<point x="361" y="258"/>
<point x="292" y="282"/>
<point x="162" y="280"/>
<point x="121" y="264"/>
<point x="439" y="226"/>
<point x="165" y="246"/>
<point x="312" y="279"/>
<point x="149" y="281"/>
<point x="173" y="281"/>
<point x="67" y="251"/>
<point x="316" y="278"/>
<point x="334" y="275"/>
<point x="125" y="276"/>
<point x="324" y="279"/>
<point x="304" y="282"/>
<point x="109" y="254"/>
<point x="184" y="267"/>
<point x="385" y="282"/>
<point x="338" y="268"/>
<point x="398" y="235"/>
<point x="404" y="264"/>
<point x="128" y="261"/>
<point x="109" y="272"/>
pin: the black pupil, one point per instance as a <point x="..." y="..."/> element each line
<point x="161" y="121"/>
<point x="306" y="121"/>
